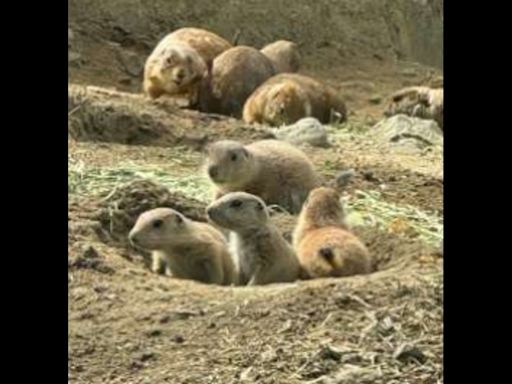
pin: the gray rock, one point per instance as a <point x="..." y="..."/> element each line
<point x="405" y="131"/>
<point x="131" y="63"/>
<point x="305" y="131"/>
<point x="345" y="177"/>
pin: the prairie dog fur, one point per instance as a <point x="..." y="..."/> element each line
<point x="277" y="172"/>
<point x="263" y="255"/>
<point x="184" y="248"/>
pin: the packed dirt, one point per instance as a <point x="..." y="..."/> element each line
<point x="127" y="325"/>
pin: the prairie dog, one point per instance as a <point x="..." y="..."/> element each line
<point x="233" y="76"/>
<point x="263" y="255"/>
<point x="288" y="97"/>
<point x="179" y="63"/>
<point x="184" y="248"/>
<point x="276" y="171"/>
<point x="284" y="55"/>
<point x="324" y="245"/>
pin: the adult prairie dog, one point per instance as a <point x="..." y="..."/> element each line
<point x="276" y="171"/>
<point x="179" y="63"/>
<point x="289" y="97"/>
<point x="184" y="248"/>
<point x="322" y="241"/>
<point x="263" y="255"/>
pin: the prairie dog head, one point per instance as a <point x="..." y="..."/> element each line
<point x="229" y="163"/>
<point x="157" y="228"/>
<point x="238" y="211"/>
<point x="323" y="207"/>
<point x="286" y="104"/>
<point x="284" y="55"/>
<point x="178" y="67"/>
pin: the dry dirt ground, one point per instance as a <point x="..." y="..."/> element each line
<point x="127" y="325"/>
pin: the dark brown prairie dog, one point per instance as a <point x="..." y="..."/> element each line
<point x="234" y="75"/>
<point x="263" y="255"/>
<point x="324" y="245"/>
<point x="284" y="55"/>
<point x="276" y="171"/>
<point x="179" y="63"/>
<point x="288" y="97"/>
<point x="184" y="248"/>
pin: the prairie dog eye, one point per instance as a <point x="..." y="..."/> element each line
<point x="158" y="223"/>
<point x="236" y="203"/>
<point x="234" y="157"/>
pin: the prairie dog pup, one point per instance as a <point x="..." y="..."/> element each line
<point x="289" y="97"/>
<point x="234" y="75"/>
<point x="324" y="245"/>
<point x="184" y="248"/>
<point x="179" y="63"/>
<point x="284" y="55"/>
<point x="263" y="255"/>
<point x="276" y="171"/>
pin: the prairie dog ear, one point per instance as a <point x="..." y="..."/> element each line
<point x="245" y="152"/>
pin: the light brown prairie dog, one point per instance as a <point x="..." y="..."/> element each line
<point x="263" y="255"/>
<point x="276" y="171"/>
<point x="289" y="97"/>
<point x="179" y="63"/>
<point x="234" y="75"/>
<point x="284" y="55"/>
<point x="206" y="43"/>
<point x="324" y="245"/>
<point x="184" y="248"/>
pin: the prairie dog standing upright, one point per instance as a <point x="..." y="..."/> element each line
<point x="324" y="245"/>
<point x="263" y="255"/>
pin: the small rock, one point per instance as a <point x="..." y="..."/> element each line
<point x="345" y="177"/>
<point x="131" y="62"/>
<point x="330" y="353"/>
<point x="369" y="176"/>
<point x="90" y="252"/>
<point x="125" y="81"/>
<point x="75" y="58"/>
<point x="407" y="353"/>
<point x="179" y="339"/>
<point x="375" y="99"/>
<point x="305" y="131"/>
<point x="164" y="319"/>
<point x="154" y="333"/>
<point x="147" y="356"/>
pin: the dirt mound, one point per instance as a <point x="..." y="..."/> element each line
<point x="109" y="219"/>
<point x="99" y="114"/>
